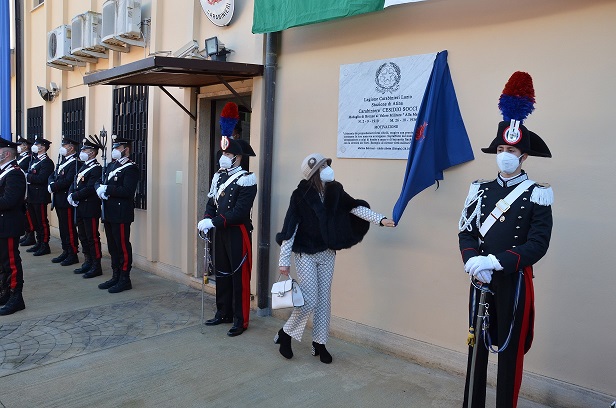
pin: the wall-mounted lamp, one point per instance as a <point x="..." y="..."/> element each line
<point x="216" y="50"/>
<point x="48" y="94"/>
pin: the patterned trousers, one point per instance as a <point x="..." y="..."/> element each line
<point x="315" y="274"/>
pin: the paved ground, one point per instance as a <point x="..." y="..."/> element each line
<point x="78" y="346"/>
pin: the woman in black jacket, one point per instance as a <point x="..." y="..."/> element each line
<point x="322" y="218"/>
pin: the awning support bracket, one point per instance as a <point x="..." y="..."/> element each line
<point x="193" y="116"/>
<point x="243" y="101"/>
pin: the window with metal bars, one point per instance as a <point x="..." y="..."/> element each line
<point x="34" y="125"/>
<point x="73" y="119"/>
<point x="130" y="121"/>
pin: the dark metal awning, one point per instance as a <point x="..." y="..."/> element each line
<point x="171" y="71"/>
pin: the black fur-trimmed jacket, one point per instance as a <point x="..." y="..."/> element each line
<point x="322" y="225"/>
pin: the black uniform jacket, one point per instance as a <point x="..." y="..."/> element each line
<point x="12" y="193"/>
<point x="23" y="159"/>
<point x="61" y="182"/>
<point x="121" y="187"/>
<point x="38" y="175"/>
<point x="518" y="239"/>
<point x="322" y="225"/>
<point x="84" y="192"/>
<point x="234" y="206"/>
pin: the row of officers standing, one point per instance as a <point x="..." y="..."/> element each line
<point x="82" y="192"/>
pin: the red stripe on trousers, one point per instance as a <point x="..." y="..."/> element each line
<point x="71" y="227"/>
<point x="246" y="270"/>
<point x="45" y="221"/>
<point x="12" y="263"/>
<point x="124" y="250"/>
<point x="29" y="218"/>
<point x="529" y="300"/>
<point x="97" y="242"/>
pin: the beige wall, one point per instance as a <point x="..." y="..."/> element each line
<point x="408" y="281"/>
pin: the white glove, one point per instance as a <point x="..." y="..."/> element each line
<point x="104" y="196"/>
<point x="483" y="275"/>
<point x="101" y="190"/>
<point x="205" y="224"/>
<point x="69" y="198"/>
<point x="49" y="188"/>
<point x="478" y="263"/>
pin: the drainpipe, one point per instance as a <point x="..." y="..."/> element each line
<point x="265" y="165"/>
<point x="5" y="70"/>
<point x="19" y="78"/>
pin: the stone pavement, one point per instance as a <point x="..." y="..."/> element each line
<point x="78" y="346"/>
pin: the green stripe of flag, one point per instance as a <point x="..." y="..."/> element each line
<point x="278" y="15"/>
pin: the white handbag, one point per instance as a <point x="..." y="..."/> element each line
<point x="286" y="294"/>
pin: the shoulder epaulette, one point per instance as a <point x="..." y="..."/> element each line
<point x="483" y="181"/>
<point x="248" y="179"/>
<point x="542" y="194"/>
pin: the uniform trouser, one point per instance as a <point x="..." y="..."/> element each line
<point x="68" y="228"/>
<point x="118" y="243"/>
<point x="40" y="221"/>
<point x="29" y="225"/>
<point x="233" y="265"/>
<point x="511" y="360"/>
<point x="315" y="273"/>
<point x="11" y="263"/>
<point x="87" y="229"/>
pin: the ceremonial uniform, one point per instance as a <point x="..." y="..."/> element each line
<point x="518" y="239"/>
<point x="59" y="184"/>
<point x="38" y="198"/>
<point x="23" y="160"/>
<point x="118" y="196"/>
<point x="12" y="193"/>
<point x="229" y="207"/>
<point x="505" y="228"/>
<point x="83" y="193"/>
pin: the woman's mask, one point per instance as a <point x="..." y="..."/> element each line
<point x="327" y="174"/>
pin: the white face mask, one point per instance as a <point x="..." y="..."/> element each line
<point x="62" y="151"/>
<point x="116" y="154"/>
<point x="507" y="162"/>
<point x="83" y="156"/>
<point x="225" y="162"/>
<point x="327" y="174"/>
<point x="34" y="149"/>
<point x="18" y="149"/>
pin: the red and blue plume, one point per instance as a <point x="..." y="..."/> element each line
<point x="518" y="98"/>
<point x="228" y="118"/>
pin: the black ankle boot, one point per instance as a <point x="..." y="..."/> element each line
<point x="5" y="294"/>
<point x="43" y="249"/>
<point x="284" y="340"/>
<point x="28" y="240"/>
<point x="60" y="257"/>
<point x="95" y="270"/>
<point x="15" y="304"/>
<point x="321" y="351"/>
<point x="71" y="259"/>
<point x="35" y="247"/>
<point x="115" y="277"/>
<point x="123" y="284"/>
<point x="85" y="266"/>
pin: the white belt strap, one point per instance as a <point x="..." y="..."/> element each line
<point x="503" y="205"/>
<point x="229" y="181"/>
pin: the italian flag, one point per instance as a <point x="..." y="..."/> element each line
<point x="278" y="15"/>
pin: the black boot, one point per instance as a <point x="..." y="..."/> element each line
<point x="115" y="277"/>
<point x="95" y="270"/>
<point x="284" y="340"/>
<point x="237" y="328"/>
<point x="43" y="249"/>
<point x="71" y="259"/>
<point x="14" y="304"/>
<point x="34" y="248"/>
<point x="85" y="267"/>
<point x="5" y="294"/>
<point x="321" y="351"/>
<point x="60" y="257"/>
<point x="28" y="239"/>
<point x="122" y="285"/>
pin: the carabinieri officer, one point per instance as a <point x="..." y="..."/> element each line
<point x="12" y="219"/>
<point x="117" y="190"/>
<point x="24" y="158"/>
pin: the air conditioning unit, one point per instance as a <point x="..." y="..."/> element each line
<point x="128" y="22"/>
<point x="109" y="39"/>
<point x="86" y="35"/>
<point x="59" y="48"/>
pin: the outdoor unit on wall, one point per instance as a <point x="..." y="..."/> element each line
<point x="59" y="49"/>
<point x="86" y="35"/>
<point x="128" y="22"/>
<point x="109" y="39"/>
